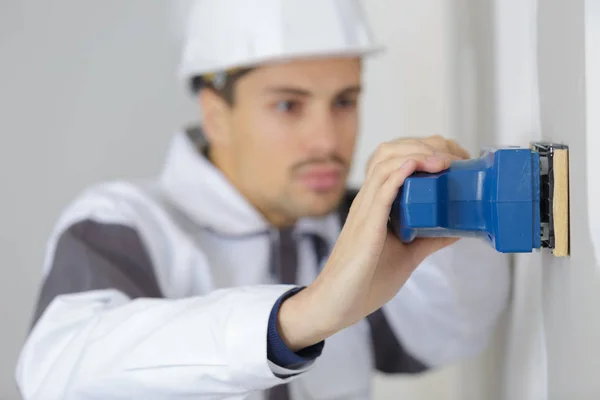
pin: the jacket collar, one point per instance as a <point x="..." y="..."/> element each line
<point x="203" y="192"/>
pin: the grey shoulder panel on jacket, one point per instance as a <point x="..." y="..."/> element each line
<point x="91" y="255"/>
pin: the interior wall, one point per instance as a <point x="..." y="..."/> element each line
<point x="541" y="79"/>
<point x="407" y="87"/>
<point x="526" y="71"/>
<point x="592" y="77"/>
<point x="571" y="286"/>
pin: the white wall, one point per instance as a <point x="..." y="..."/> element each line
<point x="592" y="60"/>
<point x="517" y="71"/>
<point x="572" y="286"/>
<point x="539" y="86"/>
<point x="407" y="88"/>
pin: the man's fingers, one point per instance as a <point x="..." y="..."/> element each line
<point x="447" y="145"/>
<point x="382" y="170"/>
<point x="433" y="145"/>
<point x="395" y="149"/>
<point x="458" y="150"/>
<point x="389" y="190"/>
<point x="381" y="200"/>
<point x="385" y="169"/>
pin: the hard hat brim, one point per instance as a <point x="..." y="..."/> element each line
<point x="186" y="74"/>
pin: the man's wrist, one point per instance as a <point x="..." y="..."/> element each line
<point x="278" y="351"/>
<point x="299" y="323"/>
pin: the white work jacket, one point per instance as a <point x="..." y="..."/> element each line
<point x="161" y="289"/>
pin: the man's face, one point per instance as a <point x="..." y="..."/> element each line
<point x="291" y="136"/>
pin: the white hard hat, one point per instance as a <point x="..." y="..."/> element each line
<point x="228" y="34"/>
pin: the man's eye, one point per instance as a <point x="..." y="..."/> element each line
<point x="288" y="106"/>
<point x="345" y="103"/>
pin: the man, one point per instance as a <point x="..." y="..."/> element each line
<point x="229" y="276"/>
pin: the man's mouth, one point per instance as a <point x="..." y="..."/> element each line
<point x="321" y="178"/>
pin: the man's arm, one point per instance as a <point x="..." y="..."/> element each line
<point x="389" y="353"/>
<point x="102" y="327"/>
<point x="448" y="308"/>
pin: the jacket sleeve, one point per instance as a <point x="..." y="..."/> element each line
<point x="449" y="308"/>
<point x="103" y="330"/>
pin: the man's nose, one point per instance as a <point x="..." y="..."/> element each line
<point x="321" y="136"/>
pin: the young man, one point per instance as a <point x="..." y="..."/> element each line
<point x="229" y="276"/>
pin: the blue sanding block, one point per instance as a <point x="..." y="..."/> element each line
<point x="508" y="196"/>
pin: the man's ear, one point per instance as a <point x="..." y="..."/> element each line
<point x="216" y="117"/>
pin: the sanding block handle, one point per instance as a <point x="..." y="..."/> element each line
<point x="495" y="197"/>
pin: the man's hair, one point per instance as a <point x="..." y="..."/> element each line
<point x="222" y="83"/>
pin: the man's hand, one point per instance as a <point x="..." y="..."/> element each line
<point x="426" y="146"/>
<point x="368" y="264"/>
